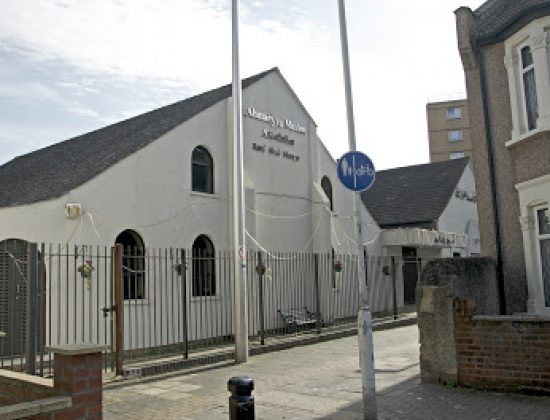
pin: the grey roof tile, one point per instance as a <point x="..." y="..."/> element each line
<point x="413" y="194"/>
<point x="497" y="19"/>
<point x="55" y="170"/>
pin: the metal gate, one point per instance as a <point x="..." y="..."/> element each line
<point x="13" y="299"/>
<point x="53" y="296"/>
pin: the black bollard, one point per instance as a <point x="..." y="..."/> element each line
<point x="241" y="401"/>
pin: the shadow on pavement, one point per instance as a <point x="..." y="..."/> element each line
<point x="413" y="400"/>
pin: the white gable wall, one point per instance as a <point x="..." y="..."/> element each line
<point x="150" y="191"/>
<point x="460" y="216"/>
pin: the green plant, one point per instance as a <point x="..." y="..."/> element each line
<point x="451" y="383"/>
<point x="86" y="269"/>
<point x="179" y="268"/>
<point x="337" y="266"/>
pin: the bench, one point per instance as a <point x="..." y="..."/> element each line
<point x="295" y="318"/>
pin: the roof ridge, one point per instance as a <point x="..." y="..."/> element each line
<point x="485" y="6"/>
<point x="248" y="81"/>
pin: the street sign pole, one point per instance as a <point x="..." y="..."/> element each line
<point x="364" y="321"/>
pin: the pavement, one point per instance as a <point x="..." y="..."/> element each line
<point x="317" y="381"/>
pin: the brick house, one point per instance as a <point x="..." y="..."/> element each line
<point x="504" y="46"/>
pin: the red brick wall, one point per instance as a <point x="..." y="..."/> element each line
<point x="75" y="375"/>
<point x="80" y="377"/>
<point x="501" y="353"/>
<point x="14" y="391"/>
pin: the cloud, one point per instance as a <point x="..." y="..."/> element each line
<point x="29" y="91"/>
<point x="17" y="140"/>
<point x="153" y="52"/>
<point x="168" y="39"/>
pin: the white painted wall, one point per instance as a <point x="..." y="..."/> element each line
<point x="150" y="193"/>
<point x="460" y="216"/>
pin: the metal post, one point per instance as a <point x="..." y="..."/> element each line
<point x="41" y="305"/>
<point x="394" y="287"/>
<point x="261" y="272"/>
<point x="119" y="311"/>
<point x="32" y="302"/>
<point x="241" y="401"/>
<point x="317" y="293"/>
<point x="184" y="299"/>
<point x="366" y="350"/>
<point x="240" y="316"/>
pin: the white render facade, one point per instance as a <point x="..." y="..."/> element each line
<point x="150" y="193"/>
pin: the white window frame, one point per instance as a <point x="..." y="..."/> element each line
<point x="522" y="71"/>
<point x="456" y="155"/>
<point x="538" y="238"/>
<point x="534" y="195"/>
<point x="536" y="35"/>
<point x="452" y="138"/>
<point x="454" y="113"/>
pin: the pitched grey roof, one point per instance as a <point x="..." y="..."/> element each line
<point x="497" y="19"/>
<point x="55" y="170"/>
<point x="413" y="194"/>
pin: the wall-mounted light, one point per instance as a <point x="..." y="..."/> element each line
<point x="73" y="210"/>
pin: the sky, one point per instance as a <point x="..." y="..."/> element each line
<point x="71" y="66"/>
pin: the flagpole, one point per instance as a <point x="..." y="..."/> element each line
<point x="366" y="350"/>
<point x="240" y="315"/>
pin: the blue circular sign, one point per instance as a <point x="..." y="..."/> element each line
<point x="356" y="171"/>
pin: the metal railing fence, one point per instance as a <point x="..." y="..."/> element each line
<point x="142" y="303"/>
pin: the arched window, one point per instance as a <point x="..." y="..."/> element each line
<point x="204" y="267"/>
<point x="202" y="171"/>
<point x="133" y="264"/>
<point x="327" y="188"/>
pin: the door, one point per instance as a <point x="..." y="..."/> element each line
<point x="410" y="274"/>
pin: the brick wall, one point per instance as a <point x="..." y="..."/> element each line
<point x="508" y="353"/>
<point x="80" y="377"/>
<point x="77" y="375"/>
<point x="17" y="388"/>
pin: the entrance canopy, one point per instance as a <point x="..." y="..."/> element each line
<point x="423" y="237"/>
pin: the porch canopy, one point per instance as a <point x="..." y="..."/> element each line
<point x="423" y="237"/>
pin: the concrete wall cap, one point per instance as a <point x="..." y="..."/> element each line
<point x="24" y="377"/>
<point x="76" y="349"/>
<point x="34" y="408"/>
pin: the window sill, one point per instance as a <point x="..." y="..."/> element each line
<point x="201" y="299"/>
<point x="133" y="302"/>
<point x="205" y="195"/>
<point x="526" y="136"/>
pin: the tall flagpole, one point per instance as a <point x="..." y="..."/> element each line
<point x="366" y="350"/>
<point x="240" y="315"/>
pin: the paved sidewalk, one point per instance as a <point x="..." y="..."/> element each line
<point x="320" y="381"/>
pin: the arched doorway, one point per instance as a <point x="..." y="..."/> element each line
<point x="133" y="264"/>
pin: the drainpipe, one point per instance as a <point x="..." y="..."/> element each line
<point x="492" y="177"/>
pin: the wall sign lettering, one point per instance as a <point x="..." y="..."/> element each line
<point x="275" y="151"/>
<point x="275" y="122"/>
<point x="282" y="138"/>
